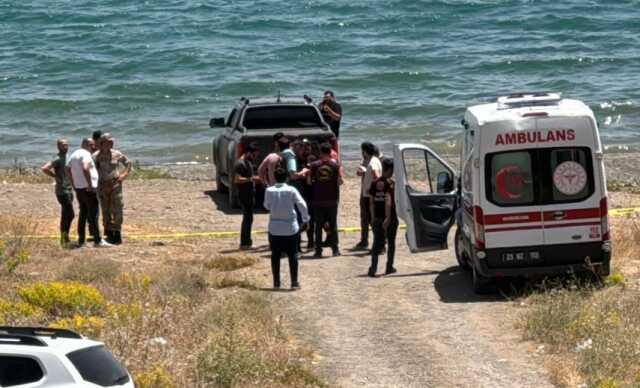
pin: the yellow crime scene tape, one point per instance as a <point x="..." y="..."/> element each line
<point x="620" y="212"/>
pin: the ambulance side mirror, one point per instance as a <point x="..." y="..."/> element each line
<point x="444" y="182"/>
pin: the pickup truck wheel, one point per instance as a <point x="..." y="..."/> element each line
<point x="461" y="255"/>
<point x="481" y="284"/>
<point x="220" y="187"/>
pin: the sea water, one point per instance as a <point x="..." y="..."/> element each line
<point x="154" y="72"/>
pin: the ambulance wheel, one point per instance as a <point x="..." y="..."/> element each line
<point x="481" y="284"/>
<point x="461" y="254"/>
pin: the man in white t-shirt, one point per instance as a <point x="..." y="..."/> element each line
<point x="370" y="170"/>
<point x="84" y="178"/>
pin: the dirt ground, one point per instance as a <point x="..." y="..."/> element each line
<point x="421" y="327"/>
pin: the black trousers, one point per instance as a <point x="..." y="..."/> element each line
<point x="379" y="238"/>
<point x="247" y="222"/>
<point x="326" y="215"/>
<point x="66" y="214"/>
<point x="89" y="208"/>
<point x="288" y="246"/>
<point x="365" y="219"/>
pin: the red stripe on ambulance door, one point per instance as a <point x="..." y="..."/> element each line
<point x="512" y="218"/>
<point x="573" y="214"/>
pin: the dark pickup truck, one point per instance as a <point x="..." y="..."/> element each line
<point x="257" y="120"/>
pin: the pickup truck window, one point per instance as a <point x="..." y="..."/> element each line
<point x="273" y="117"/>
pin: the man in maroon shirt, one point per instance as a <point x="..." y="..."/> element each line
<point x="325" y="178"/>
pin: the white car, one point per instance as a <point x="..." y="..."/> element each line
<point x="43" y="357"/>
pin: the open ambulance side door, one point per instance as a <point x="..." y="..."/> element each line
<point x="426" y="196"/>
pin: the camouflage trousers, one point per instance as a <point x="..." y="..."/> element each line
<point x="112" y="206"/>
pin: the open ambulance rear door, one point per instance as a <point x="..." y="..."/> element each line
<point x="426" y="196"/>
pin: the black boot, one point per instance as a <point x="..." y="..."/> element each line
<point x="117" y="237"/>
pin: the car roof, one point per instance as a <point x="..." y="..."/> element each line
<point x="23" y="340"/>
<point x="499" y="111"/>
<point x="263" y="101"/>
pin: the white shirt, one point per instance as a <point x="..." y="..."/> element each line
<point x="367" y="180"/>
<point x="281" y="201"/>
<point x="76" y="163"/>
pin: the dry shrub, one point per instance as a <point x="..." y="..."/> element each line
<point x="16" y="241"/>
<point x="248" y="347"/>
<point x="230" y="263"/>
<point x="64" y="299"/>
<point x="229" y="282"/>
<point x="19" y="173"/>
<point x="626" y="243"/>
<point x="601" y="327"/>
<point x="185" y="282"/>
<point x="91" y="270"/>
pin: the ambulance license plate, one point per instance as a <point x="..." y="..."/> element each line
<point x="520" y="257"/>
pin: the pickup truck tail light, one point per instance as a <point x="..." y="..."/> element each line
<point x="478" y="226"/>
<point x="604" y="219"/>
<point x="239" y="150"/>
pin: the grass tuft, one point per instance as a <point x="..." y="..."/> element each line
<point x="230" y="263"/>
<point x="228" y="282"/>
<point x="92" y="270"/>
<point x="146" y="173"/>
<point x="593" y="331"/>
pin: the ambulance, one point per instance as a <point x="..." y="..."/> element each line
<point x="530" y="196"/>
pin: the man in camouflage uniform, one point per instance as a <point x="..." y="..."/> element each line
<point x="110" y="178"/>
<point x="64" y="191"/>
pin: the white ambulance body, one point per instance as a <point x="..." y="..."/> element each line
<point x="532" y="196"/>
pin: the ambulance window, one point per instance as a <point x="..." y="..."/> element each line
<point x="571" y="173"/>
<point x="511" y="178"/>
<point x="417" y="170"/>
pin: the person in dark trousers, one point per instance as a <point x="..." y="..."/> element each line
<point x="82" y="170"/>
<point x="331" y="111"/>
<point x="64" y="190"/>
<point x="246" y="179"/>
<point x="282" y="201"/>
<point x="325" y="178"/>
<point x="385" y="219"/>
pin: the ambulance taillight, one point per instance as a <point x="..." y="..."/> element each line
<point x="478" y="224"/>
<point x="604" y="219"/>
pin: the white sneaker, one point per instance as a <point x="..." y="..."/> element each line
<point x="103" y="244"/>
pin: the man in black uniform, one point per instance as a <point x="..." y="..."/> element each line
<point x="64" y="190"/>
<point x="385" y="219"/>
<point x="325" y="178"/>
<point x="331" y="111"/>
<point x="245" y="179"/>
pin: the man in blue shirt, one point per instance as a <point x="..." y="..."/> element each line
<point x="282" y="201"/>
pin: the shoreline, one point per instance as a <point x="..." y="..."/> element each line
<point x="622" y="170"/>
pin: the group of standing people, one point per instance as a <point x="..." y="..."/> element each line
<point x="95" y="173"/>
<point x="302" y="180"/>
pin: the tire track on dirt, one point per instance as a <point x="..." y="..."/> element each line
<point x="422" y="327"/>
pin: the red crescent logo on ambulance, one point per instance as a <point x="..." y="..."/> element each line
<point x="510" y="182"/>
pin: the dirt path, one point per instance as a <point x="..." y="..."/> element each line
<point x="421" y="327"/>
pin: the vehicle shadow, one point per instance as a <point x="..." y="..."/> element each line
<point x="222" y="202"/>
<point x="454" y="285"/>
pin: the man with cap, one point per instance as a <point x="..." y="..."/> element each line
<point x="331" y="111"/>
<point x="64" y="190"/>
<point x="110" y="178"/>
